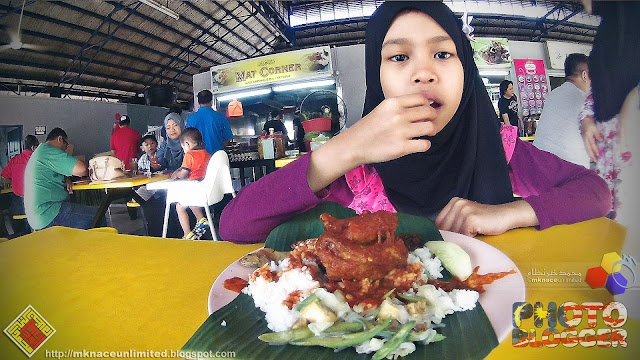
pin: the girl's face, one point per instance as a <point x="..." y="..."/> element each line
<point x="419" y="56"/>
<point x="173" y="130"/>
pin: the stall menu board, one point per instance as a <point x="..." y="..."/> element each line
<point x="491" y="53"/>
<point x="292" y="65"/>
<point x="532" y="85"/>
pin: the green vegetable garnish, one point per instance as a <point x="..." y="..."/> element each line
<point x="307" y="301"/>
<point x="411" y="298"/>
<point x="394" y="342"/>
<point x="337" y="342"/>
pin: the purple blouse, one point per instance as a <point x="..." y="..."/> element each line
<point x="558" y="191"/>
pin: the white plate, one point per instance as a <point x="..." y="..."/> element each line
<point x="497" y="301"/>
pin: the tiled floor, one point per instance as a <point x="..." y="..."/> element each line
<point x="118" y="217"/>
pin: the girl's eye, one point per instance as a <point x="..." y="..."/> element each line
<point x="399" y="58"/>
<point x="442" y="55"/>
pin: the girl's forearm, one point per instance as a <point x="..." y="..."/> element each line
<point x="330" y="161"/>
<point x="522" y="214"/>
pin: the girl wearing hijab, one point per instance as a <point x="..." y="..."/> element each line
<point x="170" y="153"/>
<point x="428" y="144"/>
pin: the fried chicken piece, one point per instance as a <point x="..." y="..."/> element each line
<point x="365" y="228"/>
<point x="360" y="247"/>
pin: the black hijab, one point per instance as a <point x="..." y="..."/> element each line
<point x="614" y="63"/>
<point x="466" y="158"/>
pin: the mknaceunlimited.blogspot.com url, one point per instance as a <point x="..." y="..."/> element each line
<point x="141" y="354"/>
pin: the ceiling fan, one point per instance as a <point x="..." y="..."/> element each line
<point x="16" y="42"/>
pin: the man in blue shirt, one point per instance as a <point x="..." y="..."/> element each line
<point x="213" y="125"/>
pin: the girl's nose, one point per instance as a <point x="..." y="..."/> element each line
<point x="424" y="73"/>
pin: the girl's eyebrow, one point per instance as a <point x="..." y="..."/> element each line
<point x="403" y="41"/>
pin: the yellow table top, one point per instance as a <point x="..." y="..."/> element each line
<point x="6" y="190"/>
<point x="137" y="180"/>
<point x="284" y="161"/>
<point x="105" y="292"/>
<point x="527" y="138"/>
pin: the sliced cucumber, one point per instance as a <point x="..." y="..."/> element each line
<point x="453" y="258"/>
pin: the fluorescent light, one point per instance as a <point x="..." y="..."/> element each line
<point x="303" y="85"/>
<point x="494" y="72"/>
<point x="163" y="9"/>
<point x="244" y="94"/>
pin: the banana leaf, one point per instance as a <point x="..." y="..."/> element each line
<point x="469" y="334"/>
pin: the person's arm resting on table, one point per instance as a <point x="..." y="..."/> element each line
<point x="558" y="191"/>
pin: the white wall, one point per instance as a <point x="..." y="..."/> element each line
<point x="87" y="123"/>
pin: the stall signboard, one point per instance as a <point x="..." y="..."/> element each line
<point x="532" y="85"/>
<point x="491" y="52"/>
<point x="559" y="50"/>
<point x="293" y="65"/>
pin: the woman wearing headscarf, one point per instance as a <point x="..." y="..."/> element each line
<point x="170" y="153"/>
<point x="428" y="144"/>
<point x="170" y="156"/>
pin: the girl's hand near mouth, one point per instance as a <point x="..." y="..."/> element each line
<point x="390" y="131"/>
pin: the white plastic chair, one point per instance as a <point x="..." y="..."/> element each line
<point x="205" y="193"/>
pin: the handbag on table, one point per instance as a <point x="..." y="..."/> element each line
<point x="106" y="168"/>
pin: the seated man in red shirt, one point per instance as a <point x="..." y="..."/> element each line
<point x="14" y="172"/>
<point x="125" y="142"/>
<point x="194" y="167"/>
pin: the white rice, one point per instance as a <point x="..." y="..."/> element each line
<point x="432" y="265"/>
<point x="270" y="295"/>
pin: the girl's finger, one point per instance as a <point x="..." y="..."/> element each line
<point x="419" y="129"/>
<point x="444" y="220"/>
<point x="593" y="149"/>
<point x="418" y="114"/>
<point x="412" y="100"/>
<point x="417" y="145"/>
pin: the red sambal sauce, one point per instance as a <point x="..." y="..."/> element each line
<point x="235" y="284"/>
<point x="475" y="281"/>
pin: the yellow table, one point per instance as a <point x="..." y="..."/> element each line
<point x="118" y="189"/>
<point x="105" y="292"/>
<point x="284" y="161"/>
<point x="527" y="138"/>
<point x="131" y="182"/>
<point x="6" y="190"/>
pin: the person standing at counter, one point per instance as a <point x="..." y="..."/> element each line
<point x="277" y="125"/>
<point x="14" y="171"/>
<point x="47" y="186"/>
<point x="214" y="126"/>
<point x="508" y="105"/>
<point x="558" y="130"/>
<point x="428" y="145"/>
<point x="125" y="142"/>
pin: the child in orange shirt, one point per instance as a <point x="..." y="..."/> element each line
<point x="194" y="167"/>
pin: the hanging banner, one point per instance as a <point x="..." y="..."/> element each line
<point x="287" y="66"/>
<point x="559" y="50"/>
<point x="491" y="53"/>
<point x="532" y="84"/>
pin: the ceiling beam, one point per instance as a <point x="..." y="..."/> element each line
<point x="98" y="62"/>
